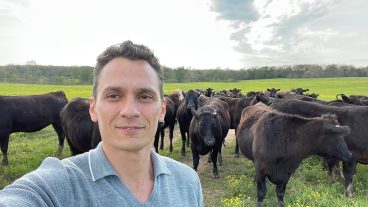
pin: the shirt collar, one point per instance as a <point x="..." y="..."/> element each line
<point x="100" y="167"/>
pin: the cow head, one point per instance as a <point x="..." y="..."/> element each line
<point x="234" y="92"/>
<point x="273" y="92"/>
<point x="261" y="97"/>
<point x="299" y="91"/>
<point x="191" y="100"/>
<point x="206" y="123"/>
<point x="333" y="142"/>
<point x="209" y="92"/>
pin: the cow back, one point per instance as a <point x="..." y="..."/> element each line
<point x="31" y="113"/>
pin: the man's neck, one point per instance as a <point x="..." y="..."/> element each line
<point x="135" y="170"/>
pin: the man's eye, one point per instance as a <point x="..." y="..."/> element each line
<point x="146" y="98"/>
<point x="112" y="97"/>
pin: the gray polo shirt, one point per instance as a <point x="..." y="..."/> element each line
<point x="89" y="180"/>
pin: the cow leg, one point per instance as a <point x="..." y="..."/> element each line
<point x="4" y="138"/>
<point x="348" y="171"/>
<point x="188" y="141"/>
<point x="209" y="160"/>
<point x="195" y="160"/>
<point x="261" y="185"/>
<point x="171" y="136"/>
<point x="162" y="139"/>
<point x="157" y="137"/>
<point x="280" y="192"/>
<point x="236" y="150"/>
<point x="59" y="130"/>
<point x="183" y="140"/>
<point x="220" y="157"/>
<point x="215" y="173"/>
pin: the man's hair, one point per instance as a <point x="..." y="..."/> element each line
<point x="131" y="51"/>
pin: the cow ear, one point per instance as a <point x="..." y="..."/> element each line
<point x="268" y="89"/>
<point x="194" y="113"/>
<point x="342" y="130"/>
<point x="278" y="90"/>
<point x="292" y="90"/>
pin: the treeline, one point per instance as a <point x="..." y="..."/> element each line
<point x="66" y="75"/>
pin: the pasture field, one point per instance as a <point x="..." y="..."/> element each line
<point x="309" y="186"/>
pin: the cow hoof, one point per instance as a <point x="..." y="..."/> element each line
<point x="259" y="204"/>
<point x="183" y="154"/>
<point x="349" y="193"/>
<point x="215" y="176"/>
<point x="236" y="155"/>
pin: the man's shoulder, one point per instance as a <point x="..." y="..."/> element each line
<point x="179" y="169"/>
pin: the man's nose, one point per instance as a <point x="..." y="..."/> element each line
<point x="129" y="107"/>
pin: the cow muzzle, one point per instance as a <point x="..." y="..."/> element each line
<point x="210" y="142"/>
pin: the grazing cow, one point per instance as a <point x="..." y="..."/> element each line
<point x="82" y="134"/>
<point x="169" y="121"/>
<point x="208" y="129"/>
<point x="29" y="114"/>
<point x="184" y="116"/>
<point x="279" y="142"/>
<point x="236" y="105"/>
<point x="356" y="117"/>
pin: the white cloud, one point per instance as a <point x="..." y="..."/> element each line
<point x="302" y="31"/>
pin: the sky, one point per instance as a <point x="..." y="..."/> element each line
<point x="198" y="34"/>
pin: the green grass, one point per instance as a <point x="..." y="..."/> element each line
<point x="309" y="186"/>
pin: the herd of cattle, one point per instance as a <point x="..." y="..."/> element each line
<point x="275" y="129"/>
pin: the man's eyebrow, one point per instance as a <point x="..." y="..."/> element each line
<point x="112" y="88"/>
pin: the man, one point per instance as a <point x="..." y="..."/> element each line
<point x="123" y="170"/>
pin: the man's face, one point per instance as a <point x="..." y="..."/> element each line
<point x="127" y="105"/>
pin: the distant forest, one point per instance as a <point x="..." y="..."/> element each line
<point x="72" y="75"/>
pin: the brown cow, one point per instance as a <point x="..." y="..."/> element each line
<point x="356" y="117"/>
<point x="280" y="142"/>
<point x="236" y="105"/>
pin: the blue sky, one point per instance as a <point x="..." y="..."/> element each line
<point x="198" y="34"/>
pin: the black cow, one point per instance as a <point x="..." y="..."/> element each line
<point x="169" y="121"/>
<point x="82" y="134"/>
<point x="29" y="114"/>
<point x="235" y="93"/>
<point x="299" y="91"/>
<point x="208" y="129"/>
<point x="279" y="142"/>
<point x="271" y="92"/>
<point x="184" y="116"/>
<point x="356" y="117"/>
<point x="209" y="92"/>
<point x="236" y="105"/>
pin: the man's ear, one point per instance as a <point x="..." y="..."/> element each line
<point x="92" y="109"/>
<point x="163" y="110"/>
